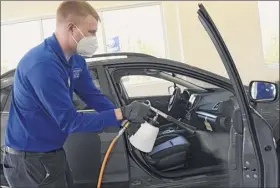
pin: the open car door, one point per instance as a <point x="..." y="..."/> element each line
<point x="252" y="156"/>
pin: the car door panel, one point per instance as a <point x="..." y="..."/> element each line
<point x="256" y="162"/>
<point x="85" y="153"/>
<point x="116" y="173"/>
<point x="84" y="156"/>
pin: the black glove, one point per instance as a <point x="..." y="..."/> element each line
<point x="136" y="112"/>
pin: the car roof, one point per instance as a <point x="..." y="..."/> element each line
<point x="130" y="57"/>
<point x="122" y="58"/>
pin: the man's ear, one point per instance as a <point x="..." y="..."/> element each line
<point x="70" y="26"/>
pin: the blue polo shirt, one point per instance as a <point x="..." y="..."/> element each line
<point x="42" y="113"/>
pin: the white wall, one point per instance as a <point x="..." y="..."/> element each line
<point x="186" y="40"/>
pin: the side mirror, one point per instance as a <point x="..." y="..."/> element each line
<point x="171" y="90"/>
<point x="262" y="91"/>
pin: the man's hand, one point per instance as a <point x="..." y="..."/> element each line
<point x="136" y="112"/>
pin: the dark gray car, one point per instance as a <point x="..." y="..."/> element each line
<point x="236" y="127"/>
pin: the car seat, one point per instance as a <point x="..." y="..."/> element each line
<point x="171" y="152"/>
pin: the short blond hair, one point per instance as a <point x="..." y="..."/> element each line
<point x="75" y="11"/>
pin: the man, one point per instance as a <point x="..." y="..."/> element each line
<point x="42" y="113"/>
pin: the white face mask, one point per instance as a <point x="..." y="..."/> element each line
<point x="87" y="46"/>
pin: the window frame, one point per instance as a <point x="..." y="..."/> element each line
<point x="4" y="107"/>
<point x="22" y="48"/>
<point x="261" y="10"/>
<point x="140" y="5"/>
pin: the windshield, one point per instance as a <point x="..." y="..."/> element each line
<point x="188" y="82"/>
<point x="198" y="83"/>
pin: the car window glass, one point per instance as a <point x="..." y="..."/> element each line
<point x="197" y="82"/>
<point x="78" y="102"/>
<point x="142" y="85"/>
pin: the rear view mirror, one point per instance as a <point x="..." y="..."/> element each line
<point x="262" y="91"/>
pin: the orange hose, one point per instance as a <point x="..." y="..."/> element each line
<point x="105" y="161"/>
<point x="126" y="124"/>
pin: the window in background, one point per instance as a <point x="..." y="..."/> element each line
<point x="137" y="29"/>
<point x="99" y="34"/>
<point x="16" y="40"/>
<point x="269" y="22"/>
<point x="49" y="28"/>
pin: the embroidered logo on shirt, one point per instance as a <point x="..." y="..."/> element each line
<point x="76" y="72"/>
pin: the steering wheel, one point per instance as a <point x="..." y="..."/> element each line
<point x="175" y="97"/>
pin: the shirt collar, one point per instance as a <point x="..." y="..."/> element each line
<point x="53" y="42"/>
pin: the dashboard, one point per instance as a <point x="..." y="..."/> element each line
<point x="209" y="111"/>
<point x="216" y="108"/>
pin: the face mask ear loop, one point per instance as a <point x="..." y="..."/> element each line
<point x="74" y="39"/>
<point x="80" y="31"/>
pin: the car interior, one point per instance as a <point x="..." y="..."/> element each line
<point x="208" y="108"/>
